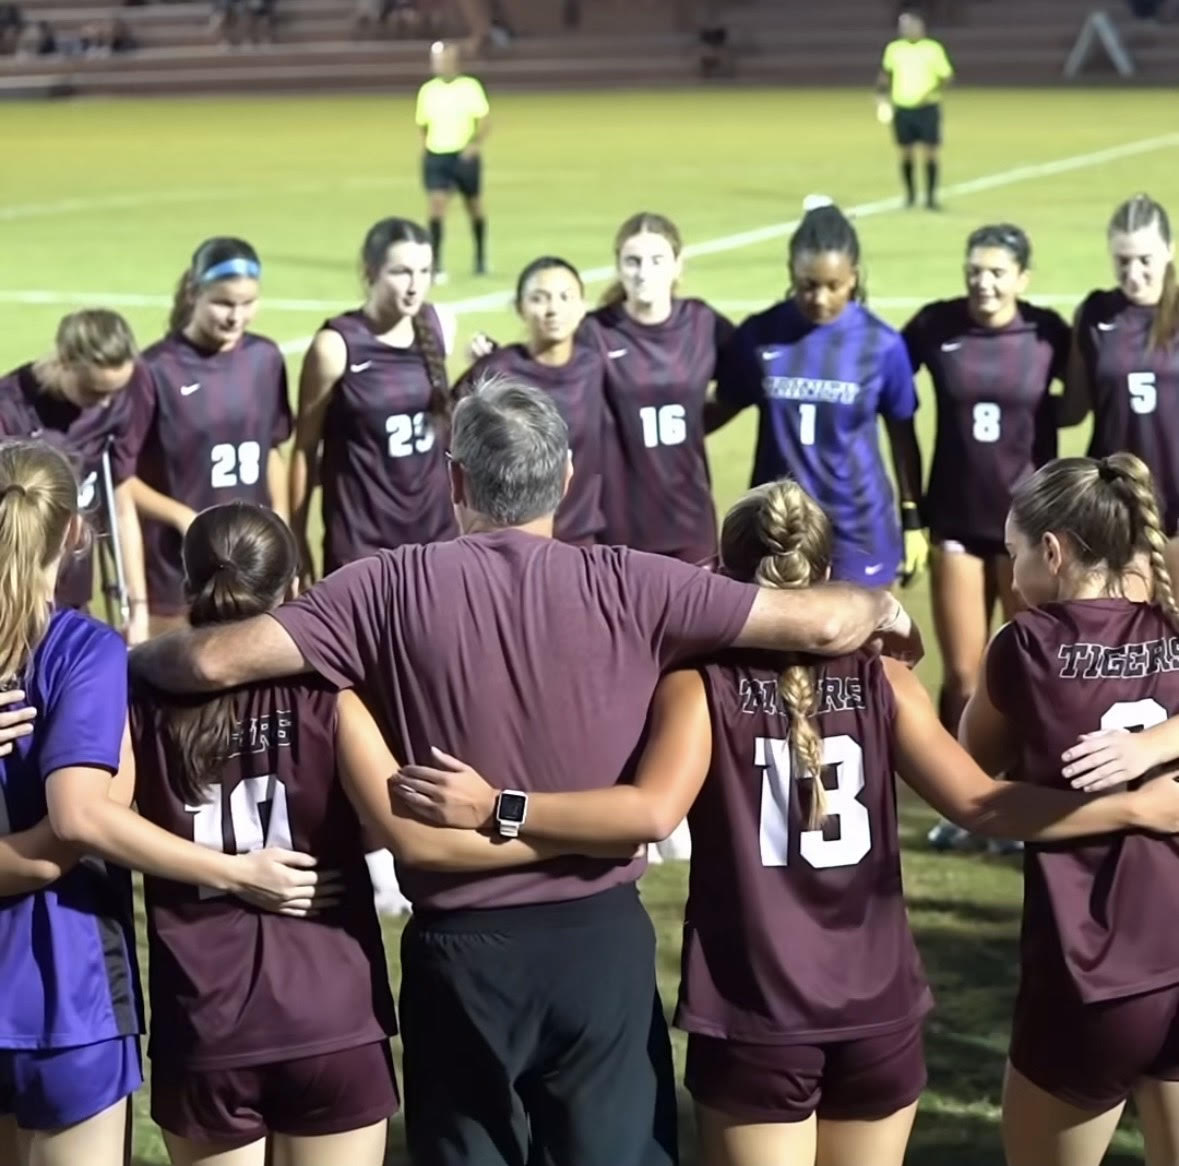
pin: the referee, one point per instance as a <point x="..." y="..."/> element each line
<point x="913" y="73"/>
<point x="453" y="116"/>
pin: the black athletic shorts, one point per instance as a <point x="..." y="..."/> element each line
<point x="453" y="172"/>
<point x="536" y="1034"/>
<point x="921" y="125"/>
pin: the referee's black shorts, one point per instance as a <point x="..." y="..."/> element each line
<point x="453" y="172"/>
<point x="536" y="1034"/>
<point x="919" y="126"/>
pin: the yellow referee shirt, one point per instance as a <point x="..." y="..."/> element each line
<point x="916" y="69"/>
<point x="448" y="111"/>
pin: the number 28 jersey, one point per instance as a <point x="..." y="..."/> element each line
<point x="793" y="935"/>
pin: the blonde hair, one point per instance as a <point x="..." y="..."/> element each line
<point x="644" y="223"/>
<point x="778" y="536"/>
<point x="1138" y="214"/>
<point x="1108" y="510"/>
<point x="38" y="500"/>
<point x="95" y="338"/>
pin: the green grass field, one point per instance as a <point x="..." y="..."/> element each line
<point x="104" y="202"/>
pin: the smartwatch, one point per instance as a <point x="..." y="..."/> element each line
<point x="511" y="808"/>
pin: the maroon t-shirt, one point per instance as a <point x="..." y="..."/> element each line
<point x="531" y="659"/>
<point x="383" y="465"/>
<point x="1135" y="390"/>
<point x="232" y="985"/>
<point x="995" y="418"/>
<point x="793" y="935"/>
<point x="1098" y="911"/>
<point x="576" y="390"/>
<point x="26" y="410"/>
<point x="657" y="492"/>
<point x="207" y="423"/>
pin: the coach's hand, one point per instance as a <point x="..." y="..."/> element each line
<point x="453" y="794"/>
<point x="1112" y="757"/>
<point x="16" y="719"/>
<point x="285" y="882"/>
<point x="897" y="635"/>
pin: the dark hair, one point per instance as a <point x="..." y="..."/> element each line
<point x="1009" y="237"/>
<point x="1136" y="214"/>
<point x="239" y="561"/>
<point x="827" y="228"/>
<point x="380" y="237"/>
<point x="545" y="263"/>
<point x="221" y="257"/>
<point x="645" y="222"/>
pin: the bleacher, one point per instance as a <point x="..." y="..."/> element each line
<point x="618" y="42"/>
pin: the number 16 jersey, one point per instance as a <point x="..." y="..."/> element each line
<point x="793" y="935"/>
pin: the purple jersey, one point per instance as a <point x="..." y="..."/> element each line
<point x="996" y="421"/>
<point x="657" y="488"/>
<point x="791" y="935"/>
<point x="532" y="659"/>
<point x="206" y="424"/>
<point x="383" y="465"/>
<point x="1096" y="911"/>
<point x="26" y="410"/>
<point x="1135" y="391"/>
<point x="67" y="953"/>
<point x="232" y="985"/>
<point x="576" y="389"/>
<point x="819" y="390"/>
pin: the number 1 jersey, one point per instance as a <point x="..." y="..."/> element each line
<point x="793" y="935"/>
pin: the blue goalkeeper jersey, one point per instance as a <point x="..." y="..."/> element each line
<point x="819" y="389"/>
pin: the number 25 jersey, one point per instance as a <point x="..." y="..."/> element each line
<point x="793" y="935"/>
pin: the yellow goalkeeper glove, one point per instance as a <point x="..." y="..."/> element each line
<point x="916" y="543"/>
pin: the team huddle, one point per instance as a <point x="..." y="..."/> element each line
<point x="530" y="653"/>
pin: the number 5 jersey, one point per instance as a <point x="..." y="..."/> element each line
<point x="794" y="935"/>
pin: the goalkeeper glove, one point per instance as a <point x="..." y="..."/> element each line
<point x="916" y="543"/>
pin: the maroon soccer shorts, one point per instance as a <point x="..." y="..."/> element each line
<point x="855" y="1080"/>
<point x="308" y="1097"/>
<point x="1093" y="1055"/>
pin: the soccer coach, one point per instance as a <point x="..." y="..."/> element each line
<point x="454" y="117"/>
<point x="913" y="73"/>
<point x="529" y="1004"/>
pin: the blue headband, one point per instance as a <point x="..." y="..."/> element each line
<point x="228" y="268"/>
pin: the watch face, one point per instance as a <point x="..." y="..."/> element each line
<point x="511" y="807"/>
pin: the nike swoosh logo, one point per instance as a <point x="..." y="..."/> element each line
<point x="952" y="347"/>
<point x="1102" y="326"/>
<point x="875" y="569"/>
<point x="768" y="355"/>
<point x="615" y="353"/>
<point x="360" y="367"/>
<point x="188" y="390"/>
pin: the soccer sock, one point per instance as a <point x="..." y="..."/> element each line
<point x="907" y="175"/>
<point x="436" y="242"/>
<point x="931" y="182"/>
<point x="479" y="230"/>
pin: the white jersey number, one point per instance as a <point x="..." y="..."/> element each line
<point x="846" y="757"/>
<point x="245" y="815"/>
<point x="665" y="425"/>
<point x="987" y="422"/>
<point x="236" y="464"/>
<point x="1144" y="394"/>
<point x="87" y="489"/>
<point x="1134" y="715"/>
<point x="409" y="433"/>
<point x="806" y="423"/>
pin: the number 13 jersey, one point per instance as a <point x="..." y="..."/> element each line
<point x="791" y="935"/>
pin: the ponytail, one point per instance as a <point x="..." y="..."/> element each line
<point x="1165" y="329"/>
<point x="614" y="295"/>
<point x="426" y="337"/>
<point x="799" y="696"/>
<point x="183" y="303"/>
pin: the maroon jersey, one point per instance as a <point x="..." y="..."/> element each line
<point x="26" y="410"/>
<point x="531" y="659"/>
<point x="209" y="421"/>
<point x="1098" y="911"/>
<point x="576" y="389"/>
<point x="1135" y="390"/>
<point x="995" y="418"/>
<point x="657" y="493"/>
<point x="232" y="985"/>
<point x="791" y="935"/>
<point x="383" y="466"/>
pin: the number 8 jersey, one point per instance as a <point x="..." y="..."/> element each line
<point x="792" y="935"/>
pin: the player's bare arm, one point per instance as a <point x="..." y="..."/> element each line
<point x="718" y="413"/>
<point x="950" y="780"/>
<point x="134" y="566"/>
<point x="1075" y="403"/>
<point x="153" y="504"/>
<point x="278" y="484"/>
<point x="984" y="732"/>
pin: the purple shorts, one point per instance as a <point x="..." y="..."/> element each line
<point x="49" y="1089"/>
<point x="304" y="1098"/>
<point x="854" y="1080"/>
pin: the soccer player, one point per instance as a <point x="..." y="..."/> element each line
<point x="514" y="650"/>
<point x="76" y="398"/>
<point x="1097" y="1014"/>
<point x="992" y="358"/>
<point x="820" y="368"/>
<point x="454" y="117"/>
<point x="802" y="990"/>
<point x="374" y="401"/>
<point x="70" y="1009"/>
<point x="570" y="366"/>
<point x="913" y="74"/>
<point x="210" y="416"/>
<point x="1125" y="360"/>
